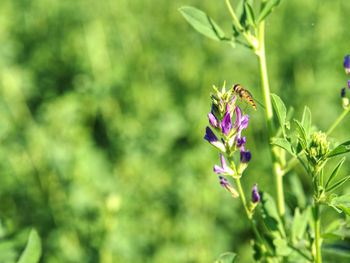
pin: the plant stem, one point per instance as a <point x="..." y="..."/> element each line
<point x="318" y="256"/>
<point x="249" y="215"/>
<point x="242" y="196"/>
<point x="340" y="118"/>
<point x="238" y="24"/>
<point x="278" y="175"/>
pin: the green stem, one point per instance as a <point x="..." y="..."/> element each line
<point x="242" y="196"/>
<point x="278" y="175"/>
<point x="340" y="118"/>
<point x="318" y="256"/>
<point x="249" y="215"/>
<point x="238" y="24"/>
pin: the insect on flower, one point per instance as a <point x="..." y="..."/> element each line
<point x="244" y="94"/>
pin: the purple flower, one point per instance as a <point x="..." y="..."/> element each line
<point x="213" y="121"/>
<point x="255" y="194"/>
<point x="224" y="169"/>
<point x="342" y="94"/>
<point x="241" y="123"/>
<point x="226" y="124"/>
<point x="347" y="64"/>
<point x="241" y="141"/>
<point x="228" y="187"/>
<point x="245" y="155"/>
<point x="349" y="84"/>
<point x="213" y="140"/>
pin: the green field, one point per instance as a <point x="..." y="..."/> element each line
<point x="103" y="109"/>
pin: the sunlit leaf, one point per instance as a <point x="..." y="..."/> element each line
<point x="340" y="149"/>
<point x="338" y="184"/>
<point x="266" y="9"/>
<point x="341" y="202"/>
<point x="250" y="14"/>
<point x="227" y="257"/>
<point x="32" y="252"/>
<point x="302" y="135"/>
<point x="335" y="172"/>
<point x="282" y="247"/>
<point x="202" y="23"/>
<point x="280" y="109"/>
<point x="284" y="144"/>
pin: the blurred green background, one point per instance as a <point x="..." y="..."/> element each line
<point x="103" y="109"/>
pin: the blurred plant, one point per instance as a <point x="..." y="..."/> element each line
<point x="287" y="238"/>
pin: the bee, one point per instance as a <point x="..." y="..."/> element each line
<point x="244" y="94"/>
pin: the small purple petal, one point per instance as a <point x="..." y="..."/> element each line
<point x="238" y="117"/>
<point x="212" y="120"/>
<point x="219" y="170"/>
<point x="349" y="84"/>
<point x="226" y="124"/>
<point x="241" y="142"/>
<point x="347" y="64"/>
<point x="223" y="161"/>
<point x="228" y="187"/>
<point x="244" y="123"/>
<point x="245" y="156"/>
<point x="255" y="194"/>
<point x="224" y="182"/>
<point x="210" y="136"/>
<point x="342" y="94"/>
<point x="227" y="107"/>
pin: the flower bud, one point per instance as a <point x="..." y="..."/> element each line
<point x="228" y="187"/>
<point x="319" y="147"/>
<point x="347" y="64"/>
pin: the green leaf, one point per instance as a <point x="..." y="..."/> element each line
<point x="266" y="9"/>
<point x="250" y="14"/>
<point x="227" y="257"/>
<point x="282" y="247"/>
<point x="341" y="202"/>
<point x="338" y="184"/>
<point x="284" y="144"/>
<point x="302" y="135"/>
<point x="331" y="236"/>
<point x="241" y="12"/>
<point x="306" y="121"/>
<point x="335" y="172"/>
<point x="296" y="188"/>
<point x="202" y="23"/>
<point x="280" y="109"/>
<point x="32" y="252"/>
<point x="271" y="217"/>
<point x="340" y="149"/>
<point x="299" y="225"/>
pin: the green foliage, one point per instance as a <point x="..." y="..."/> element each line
<point x="32" y="252"/>
<point x="202" y="23"/>
<point x="266" y="8"/>
<point x="334" y="173"/>
<point x="102" y="117"/>
<point x="281" y="111"/>
<point x="227" y="257"/>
